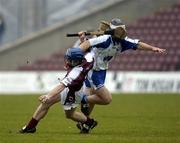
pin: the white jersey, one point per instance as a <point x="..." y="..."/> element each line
<point x="104" y="48"/>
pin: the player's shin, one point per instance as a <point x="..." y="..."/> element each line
<point x="40" y="112"/>
<point x="85" y="105"/>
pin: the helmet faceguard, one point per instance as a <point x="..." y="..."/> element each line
<point x="73" y="57"/>
<point x="116" y="22"/>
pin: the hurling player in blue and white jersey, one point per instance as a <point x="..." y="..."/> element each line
<point x="104" y="48"/>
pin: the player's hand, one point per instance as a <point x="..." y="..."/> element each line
<point x="159" y="50"/>
<point x="82" y="36"/>
<point x="44" y="98"/>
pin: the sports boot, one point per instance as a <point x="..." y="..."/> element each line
<point x="25" y="130"/>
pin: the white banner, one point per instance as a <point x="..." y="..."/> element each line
<point x="150" y="82"/>
<point x="17" y="82"/>
<point x="127" y="82"/>
<point x="29" y="82"/>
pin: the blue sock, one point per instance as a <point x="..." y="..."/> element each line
<point x="84" y="99"/>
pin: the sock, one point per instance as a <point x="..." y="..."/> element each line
<point x="84" y="99"/>
<point x="32" y="123"/>
<point x="88" y="121"/>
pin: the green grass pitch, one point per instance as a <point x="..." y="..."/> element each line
<point x="130" y="118"/>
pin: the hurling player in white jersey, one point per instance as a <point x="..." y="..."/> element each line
<point x="104" y="48"/>
<point x="68" y="92"/>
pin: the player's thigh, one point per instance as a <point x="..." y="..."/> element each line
<point x="89" y="91"/>
<point x="71" y="100"/>
<point x="104" y="93"/>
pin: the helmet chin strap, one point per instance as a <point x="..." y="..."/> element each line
<point x="66" y="65"/>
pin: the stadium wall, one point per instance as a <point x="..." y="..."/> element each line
<point x="116" y="82"/>
<point x="48" y="41"/>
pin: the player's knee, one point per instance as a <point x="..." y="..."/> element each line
<point x="69" y="116"/>
<point x="45" y="105"/>
<point x="108" y="100"/>
<point x="105" y="95"/>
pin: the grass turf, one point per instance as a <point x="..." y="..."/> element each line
<point x="130" y="118"/>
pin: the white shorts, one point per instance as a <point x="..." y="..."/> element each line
<point x="69" y="105"/>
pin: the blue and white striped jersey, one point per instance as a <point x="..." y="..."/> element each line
<point x="104" y="48"/>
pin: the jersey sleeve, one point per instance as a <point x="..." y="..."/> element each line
<point x="129" y="43"/>
<point x="71" y="76"/>
<point x="103" y="41"/>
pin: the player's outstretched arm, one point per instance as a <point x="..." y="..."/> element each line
<point x="54" y="92"/>
<point x="147" y="47"/>
<point x="85" y="45"/>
